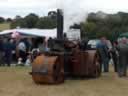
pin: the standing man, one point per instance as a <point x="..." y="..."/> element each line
<point x="123" y="57"/>
<point x="8" y="48"/>
<point x="103" y="50"/>
<point x="22" y="49"/>
<point x="115" y="55"/>
<point x="1" y="52"/>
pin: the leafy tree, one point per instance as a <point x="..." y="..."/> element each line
<point x="89" y="29"/>
<point x="31" y="20"/>
<point x="9" y="20"/>
<point x="112" y="25"/>
<point x="2" y="20"/>
<point x="18" y="22"/>
<point x="52" y="15"/>
<point x="18" y="17"/>
<point x="46" y="23"/>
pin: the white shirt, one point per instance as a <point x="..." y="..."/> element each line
<point x="21" y="46"/>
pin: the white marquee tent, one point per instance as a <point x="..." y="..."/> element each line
<point x="32" y="32"/>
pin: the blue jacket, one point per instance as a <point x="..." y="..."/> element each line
<point x="103" y="49"/>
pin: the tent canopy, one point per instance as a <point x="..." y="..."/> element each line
<point x="32" y="32"/>
<point x="124" y="35"/>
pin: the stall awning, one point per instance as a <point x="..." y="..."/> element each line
<point x="32" y="32"/>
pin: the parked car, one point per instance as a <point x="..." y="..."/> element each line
<point x="92" y="43"/>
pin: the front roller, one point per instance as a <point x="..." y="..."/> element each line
<point x="48" y="70"/>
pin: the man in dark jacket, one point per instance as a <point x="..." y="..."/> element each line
<point x="8" y="48"/>
<point x="103" y="50"/>
<point x="115" y="55"/>
<point x="1" y="52"/>
<point x="123" y="57"/>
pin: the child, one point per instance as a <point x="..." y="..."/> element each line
<point x="28" y="61"/>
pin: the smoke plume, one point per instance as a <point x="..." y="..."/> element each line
<point x="73" y="11"/>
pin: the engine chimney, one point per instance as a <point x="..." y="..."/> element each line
<point x="60" y="23"/>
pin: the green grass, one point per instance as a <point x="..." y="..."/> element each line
<point x="16" y="81"/>
<point x="4" y="26"/>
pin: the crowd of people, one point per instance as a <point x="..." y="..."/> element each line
<point x="20" y="51"/>
<point x="118" y="53"/>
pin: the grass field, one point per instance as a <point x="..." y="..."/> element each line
<point x="16" y="81"/>
<point x="4" y="26"/>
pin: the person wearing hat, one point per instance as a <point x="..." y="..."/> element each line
<point x="123" y="57"/>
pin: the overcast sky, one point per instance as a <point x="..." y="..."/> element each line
<point x="11" y="8"/>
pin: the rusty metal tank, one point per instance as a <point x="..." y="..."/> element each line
<point x="48" y="70"/>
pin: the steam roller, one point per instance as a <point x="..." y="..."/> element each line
<point x="48" y="70"/>
<point x="65" y="59"/>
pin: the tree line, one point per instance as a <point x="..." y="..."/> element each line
<point x="2" y="20"/>
<point x="33" y="21"/>
<point x="102" y="24"/>
<point x="96" y="24"/>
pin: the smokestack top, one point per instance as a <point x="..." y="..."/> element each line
<point x="60" y="24"/>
